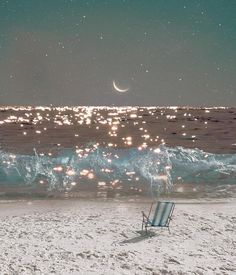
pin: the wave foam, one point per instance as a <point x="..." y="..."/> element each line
<point x="159" y="168"/>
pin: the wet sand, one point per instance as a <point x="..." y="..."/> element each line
<point x="50" y="129"/>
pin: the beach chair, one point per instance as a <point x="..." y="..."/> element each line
<point x="161" y="217"/>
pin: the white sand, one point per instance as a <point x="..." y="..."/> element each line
<point x="91" y="237"/>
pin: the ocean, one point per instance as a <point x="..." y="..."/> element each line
<point x="113" y="152"/>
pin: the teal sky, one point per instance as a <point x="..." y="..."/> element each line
<point x="165" y="52"/>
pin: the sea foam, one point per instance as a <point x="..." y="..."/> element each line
<point x="159" y="169"/>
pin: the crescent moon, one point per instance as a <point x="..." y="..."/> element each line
<point x="119" y="89"/>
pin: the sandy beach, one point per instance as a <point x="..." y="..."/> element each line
<point x="103" y="237"/>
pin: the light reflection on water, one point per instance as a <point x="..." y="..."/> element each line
<point x="47" y="131"/>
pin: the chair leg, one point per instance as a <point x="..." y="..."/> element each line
<point x="169" y="229"/>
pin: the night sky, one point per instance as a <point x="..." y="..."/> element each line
<point x="166" y="52"/>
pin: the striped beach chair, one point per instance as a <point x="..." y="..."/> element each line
<point x="162" y="216"/>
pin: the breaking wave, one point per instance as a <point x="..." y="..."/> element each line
<point x="156" y="168"/>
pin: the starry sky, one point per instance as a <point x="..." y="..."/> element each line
<point x="166" y="52"/>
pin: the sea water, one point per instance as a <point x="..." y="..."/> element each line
<point x="122" y="155"/>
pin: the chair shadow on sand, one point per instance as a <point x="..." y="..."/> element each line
<point x="142" y="236"/>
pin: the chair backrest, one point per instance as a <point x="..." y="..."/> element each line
<point x="162" y="214"/>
